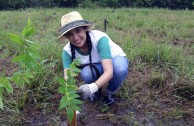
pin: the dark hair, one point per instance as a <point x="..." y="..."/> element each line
<point x="89" y="43"/>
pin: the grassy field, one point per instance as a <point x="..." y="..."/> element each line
<point x="159" y="89"/>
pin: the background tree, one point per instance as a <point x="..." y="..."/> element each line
<point x="172" y="4"/>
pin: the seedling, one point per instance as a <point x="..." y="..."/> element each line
<point x="26" y="59"/>
<point x="69" y="100"/>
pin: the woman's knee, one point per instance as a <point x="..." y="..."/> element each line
<point x="120" y="66"/>
<point x="118" y="71"/>
<point x="86" y="75"/>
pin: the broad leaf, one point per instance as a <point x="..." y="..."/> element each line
<point x="75" y="107"/>
<point x="68" y="72"/>
<point x="70" y="113"/>
<point x="60" y="80"/>
<point x="62" y="89"/>
<point x="19" y="58"/>
<point x="26" y="80"/>
<point x="29" y="75"/>
<point x="73" y="74"/>
<point x="74" y="95"/>
<point x="28" y="30"/>
<point x="64" y="103"/>
<point x="16" y="38"/>
<point x="16" y="78"/>
<point x="76" y="102"/>
<point x="74" y="69"/>
<point x="4" y="82"/>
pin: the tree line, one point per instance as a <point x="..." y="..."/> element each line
<point x="22" y="4"/>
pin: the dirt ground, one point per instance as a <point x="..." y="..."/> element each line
<point x="40" y="114"/>
<point x="128" y="110"/>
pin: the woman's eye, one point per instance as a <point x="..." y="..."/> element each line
<point x="68" y="34"/>
<point x="78" y="30"/>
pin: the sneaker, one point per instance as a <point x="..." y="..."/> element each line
<point x="108" y="100"/>
<point x="96" y="96"/>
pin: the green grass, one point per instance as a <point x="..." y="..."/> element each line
<point x="158" y="42"/>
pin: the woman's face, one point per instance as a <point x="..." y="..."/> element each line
<point x="77" y="36"/>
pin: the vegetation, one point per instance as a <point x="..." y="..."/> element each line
<point x="172" y="4"/>
<point x="28" y="64"/>
<point x="158" y="90"/>
<point x="70" y="101"/>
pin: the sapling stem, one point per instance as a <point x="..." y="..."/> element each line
<point x="70" y="101"/>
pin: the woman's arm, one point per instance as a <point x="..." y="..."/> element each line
<point x="65" y="74"/>
<point x="107" y="75"/>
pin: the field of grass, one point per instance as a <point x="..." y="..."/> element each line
<point x="159" y="89"/>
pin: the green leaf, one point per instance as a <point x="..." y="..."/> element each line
<point x="64" y="103"/>
<point x="16" y="38"/>
<point x="62" y="89"/>
<point x="29" y="75"/>
<point x="73" y="74"/>
<point x="71" y="81"/>
<point x="75" y="107"/>
<point x="71" y="89"/>
<point x="21" y="83"/>
<point x="60" y="80"/>
<point x="73" y="95"/>
<point x="26" y="80"/>
<point x="29" y="62"/>
<point x="68" y="71"/>
<point x="75" y="69"/>
<point x="4" y="82"/>
<point x="76" y="61"/>
<point x="77" y="102"/>
<point x="70" y="113"/>
<point x="16" y="78"/>
<point x="19" y="58"/>
<point x="28" y="30"/>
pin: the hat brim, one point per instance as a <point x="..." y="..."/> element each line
<point x="75" y="24"/>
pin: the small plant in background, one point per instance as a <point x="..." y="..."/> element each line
<point x="4" y="83"/>
<point x="69" y="100"/>
<point x="27" y="60"/>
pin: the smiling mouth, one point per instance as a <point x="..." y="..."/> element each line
<point x="78" y="43"/>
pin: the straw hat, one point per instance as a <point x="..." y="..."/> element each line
<point x="73" y="20"/>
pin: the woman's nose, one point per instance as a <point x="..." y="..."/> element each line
<point x="76" y="36"/>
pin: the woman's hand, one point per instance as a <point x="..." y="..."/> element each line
<point x="87" y="90"/>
